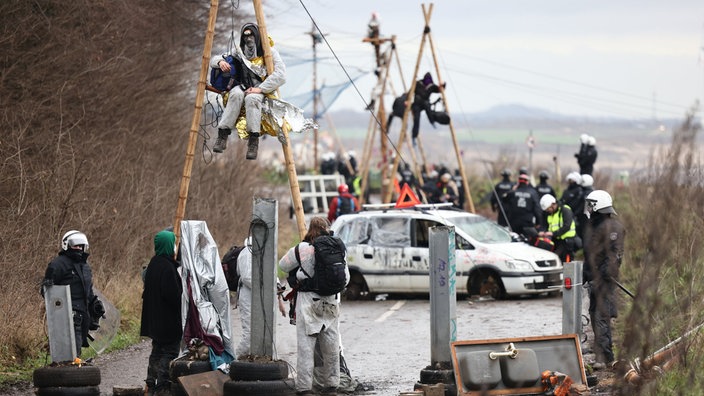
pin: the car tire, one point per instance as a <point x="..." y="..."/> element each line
<point x="66" y="376"/>
<point x="180" y="368"/>
<point x="428" y="376"/>
<point x="355" y="288"/>
<point x="68" y="391"/>
<point x="486" y="283"/>
<point x="284" y="387"/>
<point x="262" y="371"/>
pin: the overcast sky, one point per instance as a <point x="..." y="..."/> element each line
<point x="623" y="58"/>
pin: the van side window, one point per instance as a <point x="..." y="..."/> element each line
<point x="355" y="232"/>
<point x="462" y="244"/>
<point x="421" y="233"/>
<point x="391" y="231"/>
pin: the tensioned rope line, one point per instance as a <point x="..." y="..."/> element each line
<point x="317" y="28"/>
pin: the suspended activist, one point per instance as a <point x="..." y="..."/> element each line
<point x="421" y="102"/>
<point x="250" y="86"/>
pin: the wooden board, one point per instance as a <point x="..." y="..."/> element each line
<point x="204" y="384"/>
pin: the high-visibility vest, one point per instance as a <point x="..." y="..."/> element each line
<point x="555" y="223"/>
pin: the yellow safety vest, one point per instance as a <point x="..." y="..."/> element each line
<point x="555" y="223"/>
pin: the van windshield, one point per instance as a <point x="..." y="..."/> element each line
<point x="481" y="229"/>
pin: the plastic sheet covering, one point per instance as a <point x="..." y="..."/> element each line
<point x="391" y="231"/>
<point x="276" y="113"/>
<point x="200" y="261"/>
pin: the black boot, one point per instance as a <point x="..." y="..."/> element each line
<point x="252" y="145"/>
<point x="221" y="141"/>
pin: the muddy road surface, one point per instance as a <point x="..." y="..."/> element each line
<point x="386" y="342"/>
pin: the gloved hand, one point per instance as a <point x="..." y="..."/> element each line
<point x="97" y="308"/>
<point x="94" y="323"/>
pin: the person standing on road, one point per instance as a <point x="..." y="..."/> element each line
<point x="523" y="207"/>
<point x="71" y="268"/>
<point x="603" y="252"/>
<point x="161" y="312"/>
<point x="543" y="187"/>
<point x="317" y="317"/>
<point x="497" y="198"/>
<point x="344" y="203"/>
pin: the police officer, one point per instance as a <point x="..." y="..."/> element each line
<point x="524" y="207"/>
<point x="71" y="268"/>
<point x="572" y="196"/>
<point x="603" y="252"/>
<point x="560" y="227"/>
<point x="497" y="198"/>
<point x="543" y="187"/>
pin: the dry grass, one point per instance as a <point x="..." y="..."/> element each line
<point x="96" y="98"/>
<point x="663" y="265"/>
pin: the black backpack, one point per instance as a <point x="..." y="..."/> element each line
<point x="229" y="266"/>
<point x="329" y="277"/>
<point x="344" y="206"/>
<point x="225" y="81"/>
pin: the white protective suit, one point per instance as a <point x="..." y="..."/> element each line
<point x="259" y="108"/>
<point x="244" y="299"/>
<point x="317" y="317"/>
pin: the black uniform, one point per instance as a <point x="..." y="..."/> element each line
<point x="71" y="268"/>
<point x="523" y="208"/>
<point x="586" y="159"/>
<point x="573" y="197"/>
<point x="544" y="188"/>
<point x="603" y="251"/>
<point x="498" y="200"/>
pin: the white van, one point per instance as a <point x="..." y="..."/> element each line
<point x="387" y="252"/>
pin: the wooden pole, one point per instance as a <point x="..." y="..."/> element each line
<point x="195" y="120"/>
<point x="469" y="204"/>
<point x="288" y="157"/>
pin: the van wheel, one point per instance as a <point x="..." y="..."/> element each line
<point x="356" y="287"/>
<point x="486" y="283"/>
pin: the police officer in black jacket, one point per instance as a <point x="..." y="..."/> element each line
<point x="71" y="268"/>
<point x="497" y="198"/>
<point x="603" y="252"/>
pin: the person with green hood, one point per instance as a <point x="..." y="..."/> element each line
<point x="161" y="312"/>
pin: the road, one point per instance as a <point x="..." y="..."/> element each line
<point x="386" y="342"/>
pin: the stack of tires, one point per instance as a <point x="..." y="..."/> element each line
<point x="67" y="380"/>
<point x="259" y="379"/>
<point x="443" y="374"/>
<point x="184" y="367"/>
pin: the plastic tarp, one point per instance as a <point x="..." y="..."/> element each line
<point x="201" y="268"/>
<point x="391" y="232"/>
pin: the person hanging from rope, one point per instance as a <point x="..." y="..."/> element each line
<point x="252" y="85"/>
<point x="421" y="102"/>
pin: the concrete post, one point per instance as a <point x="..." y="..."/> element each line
<point x="572" y="298"/>
<point x="59" y="320"/>
<point x="265" y="220"/>
<point x="443" y="316"/>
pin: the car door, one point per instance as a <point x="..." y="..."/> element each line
<point x="386" y="263"/>
<point x="419" y="253"/>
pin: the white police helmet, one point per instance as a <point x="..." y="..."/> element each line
<point x="587" y="180"/>
<point x="546" y="200"/>
<point x="600" y="201"/>
<point x="74" y="238"/>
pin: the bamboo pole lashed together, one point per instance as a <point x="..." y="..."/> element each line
<point x="288" y="156"/>
<point x="469" y="205"/>
<point x="195" y="121"/>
